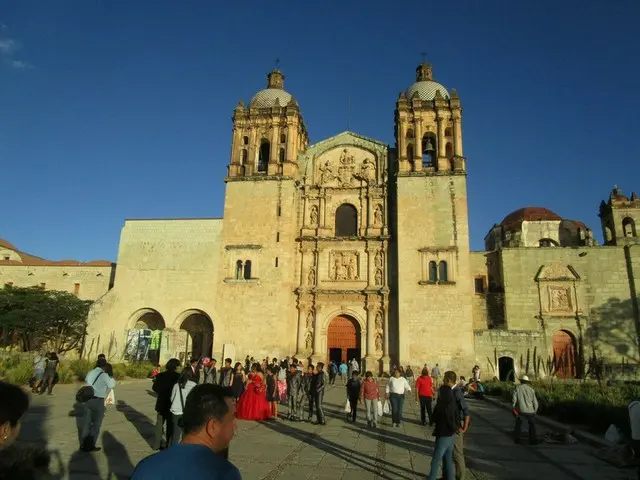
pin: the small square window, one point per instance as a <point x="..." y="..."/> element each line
<point x="277" y="236"/>
<point x="276" y="261"/>
<point x="43" y="286"/>
<point x="479" y="284"/>
<point x="7" y="257"/>
<point x="76" y="289"/>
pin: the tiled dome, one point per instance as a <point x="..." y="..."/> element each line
<point x="427" y="90"/>
<point x="270" y="97"/>
<point x="530" y="214"/>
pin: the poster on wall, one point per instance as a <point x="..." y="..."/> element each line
<point x="140" y="343"/>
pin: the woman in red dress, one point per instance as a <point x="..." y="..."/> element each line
<point x="253" y="403"/>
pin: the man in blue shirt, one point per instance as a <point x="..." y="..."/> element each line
<point x="463" y="416"/>
<point x="101" y="382"/>
<point x="208" y="425"/>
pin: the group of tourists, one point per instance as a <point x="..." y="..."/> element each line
<point x="45" y="373"/>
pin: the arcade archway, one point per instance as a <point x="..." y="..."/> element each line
<point x="506" y="369"/>
<point x="343" y="339"/>
<point x="564" y="354"/>
<point x="144" y="340"/>
<point x="199" y="328"/>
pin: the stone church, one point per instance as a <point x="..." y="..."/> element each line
<point x="349" y="248"/>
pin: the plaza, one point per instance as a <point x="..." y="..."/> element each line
<point x="296" y="451"/>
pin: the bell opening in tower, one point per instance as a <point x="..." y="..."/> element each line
<point x="428" y="150"/>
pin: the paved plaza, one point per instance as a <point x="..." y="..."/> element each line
<point x="296" y="451"/>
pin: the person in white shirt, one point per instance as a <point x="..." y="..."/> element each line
<point x="178" y="398"/>
<point x="396" y="388"/>
<point x="101" y="382"/>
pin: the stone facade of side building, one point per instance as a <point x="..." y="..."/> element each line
<point x="349" y="248"/>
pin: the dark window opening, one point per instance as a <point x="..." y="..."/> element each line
<point x="263" y="158"/>
<point x="479" y="285"/>
<point x="409" y="152"/>
<point x="629" y="227"/>
<point x="245" y="140"/>
<point x="448" y="149"/>
<point x="276" y="261"/>
<point x="448" y="132"/>
<point x="442" y="272"/>
<point x="239" y="270"/>
<point x="410" y="133"/>
<point x="547" y="242"/>
<point x="244" y="157"/>
<point x="279" y="210"/>
<point x="247" y="270"/>
<point x="428" y="150"/>
<point x="281" y="155"/>
<point x="283" y="138"/>
<point x="346" y="221"/>
<point x="277" y="236"/>
<point x="433" y="271"/>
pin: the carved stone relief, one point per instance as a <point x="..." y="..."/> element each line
<point x="346" y="170"/>
<point x="310" y="321"/>
<point x="308" y="341"/>
<point x="559" y="299"/>
<point x="343" y="265"/>
<point x="313" y="216"/>
<point x="379" y="259"/>
<point x="377" y="216"/>
<point x="311" y="277"/>
<point x="378" y="276"/>
<point x="378" y="342"/>
<point x="379" y="325"/>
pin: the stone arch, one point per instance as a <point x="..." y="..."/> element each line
<point x="346" y="220"/>
<point x="148" y="318"/>
<point x="144" y="335"/>
<point x="628" y="227"/>
<point x="565" y="349"/>
<point x="345" y="312"/>
<point x="199" y="327"/>
<point x="506" y="368"/>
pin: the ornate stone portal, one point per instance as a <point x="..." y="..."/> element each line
<point x="343" y="265"/>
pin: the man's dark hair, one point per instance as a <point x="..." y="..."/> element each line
<point x="355" y="373"/>
<point x="368" y="374"/>
<point x="102" y="355"/>
<point x="172" y="364"/>
<point x="102" y="362"/>
<point x="320" y="365"/>
<point x="449" y="376"/>
<point x="205" y="402"/>
<point x="14" y="402"/>
<point x="227" y="360"/>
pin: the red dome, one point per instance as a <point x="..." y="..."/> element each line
<point x="530" y="214"/>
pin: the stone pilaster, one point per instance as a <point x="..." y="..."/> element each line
<point x="457" y="134"/>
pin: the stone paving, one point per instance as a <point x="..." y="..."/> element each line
<point x="300" y="451"/>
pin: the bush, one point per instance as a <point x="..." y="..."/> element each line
<point x="588" y="404"/>
<point x="19" y="374"/>
<point x="139" y="370"/>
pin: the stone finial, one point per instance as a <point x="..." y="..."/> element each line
<point x="454" y="93"/>
<point x="275" y="79"/>
<point x="438" y="95"/>
<point x="423" y="72"/>
<point x="634" y="196"/>
<point x="292" y="103"/>
<point x="240" y="105"/>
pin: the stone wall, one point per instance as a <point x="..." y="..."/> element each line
<point x="525" y="348"/>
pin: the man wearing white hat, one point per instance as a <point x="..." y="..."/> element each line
<point x="525" y="404"/>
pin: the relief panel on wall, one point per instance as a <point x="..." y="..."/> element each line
<point x="344" y="265"/>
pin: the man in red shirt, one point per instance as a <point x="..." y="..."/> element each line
<point x="424" y="395"/>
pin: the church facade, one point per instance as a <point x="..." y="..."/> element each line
<point x="350" y="248"/>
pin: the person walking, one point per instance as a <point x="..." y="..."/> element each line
<point x="50" y="373"/>
<point x="463" y="424"/>
<point x="307" y="385"/>
<point x="179" y="394"/>
<point x="354" y="385"/>
<point x="525" y="405"/>
<point x="163" y="386"/>
<point x="210" y="371"/>
<point x="343" y="372"/>
<point x="370" y="393"/>
<point x="294" y="392"/>
<point x="424" y="396"/>
<point x="435" y="373"/>
<point x="333" y="372"/>
<point x="94" y="408"/>
<point x="397" y="386"/>
<point x="39" y="364"/>
<point x="226" y="373"/>
<point x="209" y="426"/>
<point x="445" y="418"/>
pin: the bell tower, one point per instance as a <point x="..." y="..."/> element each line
<point x="431" y="227"/>
<point x="429" y="126"/>
<point x="269" y="134"/>
<point x="619" y="218"/>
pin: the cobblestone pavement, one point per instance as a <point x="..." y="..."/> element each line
<point x="283" y="450"/>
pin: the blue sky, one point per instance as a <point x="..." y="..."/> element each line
<point x="122" y="109"/>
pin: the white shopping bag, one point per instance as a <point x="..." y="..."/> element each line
<point x="380" y="409"/>
<point x="387" y="408"/>
<point x="347" y="407"/>
<point x="111" y="399"/>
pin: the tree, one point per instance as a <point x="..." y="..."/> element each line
<point x="36" y="317"/>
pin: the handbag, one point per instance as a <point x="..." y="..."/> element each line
<point x="379" y="407"/>
<point x="347" y="407"/>
<point x="387" y="408"/>
<point x="86" y="392"/>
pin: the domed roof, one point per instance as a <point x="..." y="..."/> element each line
<point x="530" y="214"/>
<point x="5" y="244"/>
<point x="274" y="95"/>
<point x="426" y="90"/>
<point x="271" y="97"/>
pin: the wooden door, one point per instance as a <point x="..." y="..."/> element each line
<point x="343" y="333"/>
<point x="564" y="354"/>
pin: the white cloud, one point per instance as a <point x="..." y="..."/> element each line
<point x="8" y="48"/>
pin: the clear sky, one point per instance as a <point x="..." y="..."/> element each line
<point x="115" y="109"/>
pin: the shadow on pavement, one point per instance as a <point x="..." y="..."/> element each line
<point x="397" y="439"/>
<point x="120" y="465"/>
<point x="83" y="466"/>
<point x="143" y="424"/>
<point x="379" y="467"/>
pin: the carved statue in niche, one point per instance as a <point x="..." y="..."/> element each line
<point x="344" y="266"/>
<point x="313" y="216"/>
<point x="377" y="216"/>
<point x="368" y="170"/>
<point x="560" y="299"/>
<point x="311" y="278"/>
<point x="310" y="321"/>
<point x="309" y="341"/>
<point x="326" y="172"/>
<point x="378" y="276"/>
<point x="379" y="321"/>
<point x="379" y="259"/>
<point x="378" y="342"/>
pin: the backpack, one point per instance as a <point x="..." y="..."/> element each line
<point x="86" y="392"/>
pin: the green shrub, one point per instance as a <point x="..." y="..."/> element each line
<point x="19" y="374"/>
<point x="139" y="370"/>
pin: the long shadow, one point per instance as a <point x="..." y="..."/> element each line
<point x="143" y="424"/>
<point x="398" y="439"/>
<point x="83" y="465"/>
<point x="377" y="466"/>
<point x="120" y="465"/>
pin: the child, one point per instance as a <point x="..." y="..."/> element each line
<point x="272" y="391"/>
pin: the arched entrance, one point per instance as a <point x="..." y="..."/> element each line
<point x="343" y="339"/>
<point x="506" y="369"/>
<point x="199" y="327"/>
<point x="564" y="354"/>
<point x="145" y="338"/>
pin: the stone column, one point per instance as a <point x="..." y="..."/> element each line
<point x="457" y="135"/>
<point x="402" y="141"/>
<point x="252" y="155"/>
<point x="370" y="360"/>
<point x="291" y="135"/>
<point x="371" y="268"/>
<point x="302" y="326"/>
<point x="442" y="146"/>
<point x="322" y="213"/>
<point x="318" y="354"/>
<point x="386" y="359"/>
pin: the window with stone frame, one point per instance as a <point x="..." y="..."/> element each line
<point x="346" y="221"/>
<point x="437" y="265"/>
<point x="480" y="285"/>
